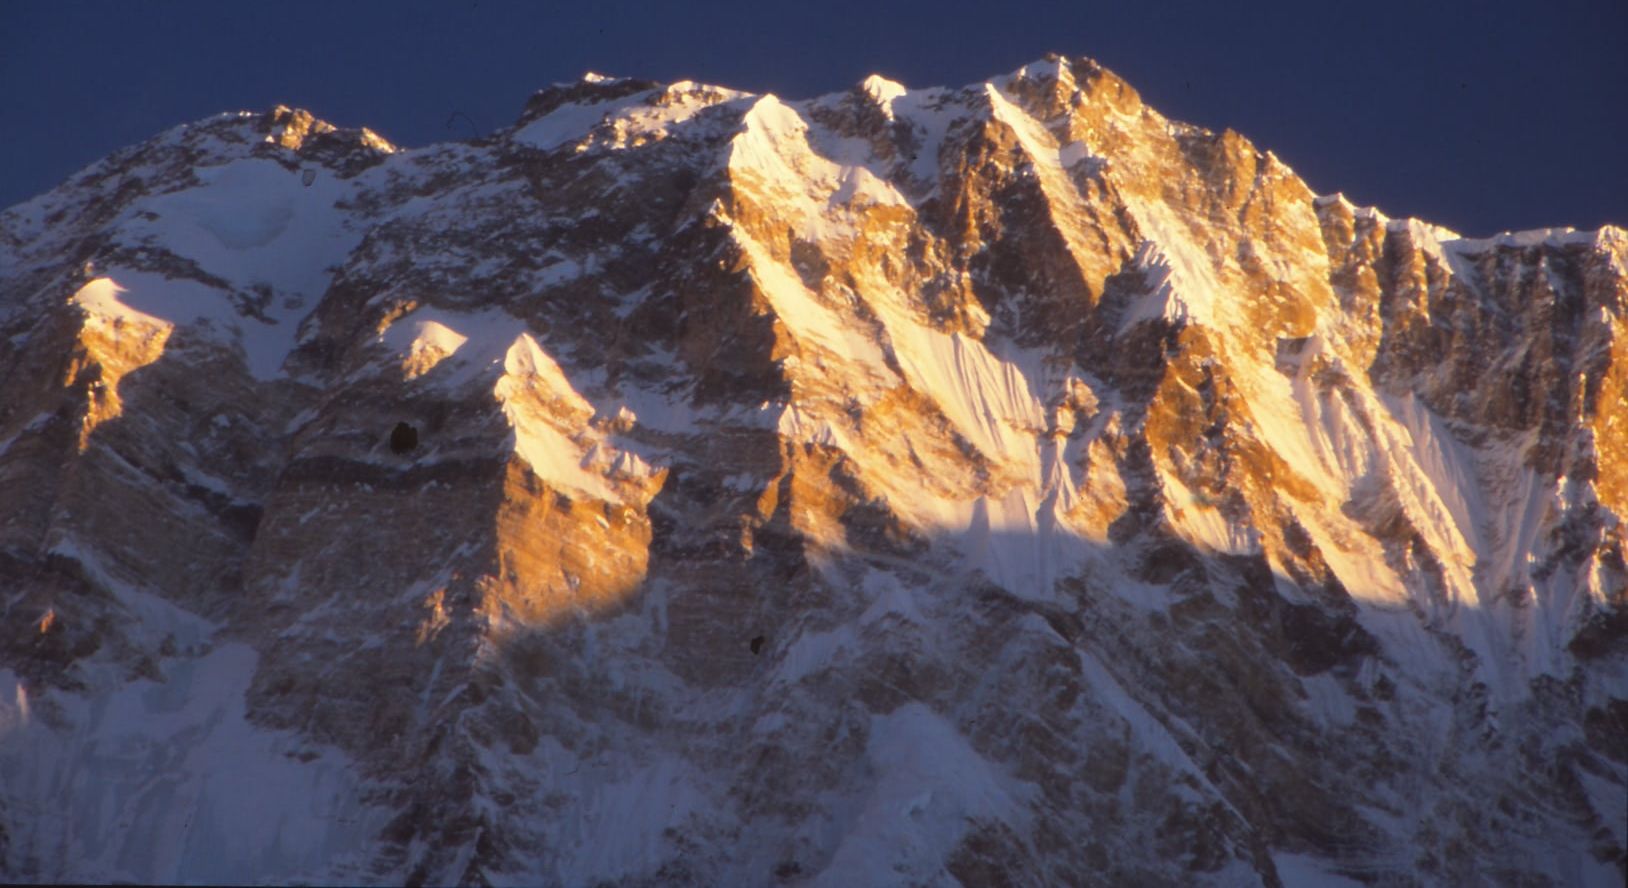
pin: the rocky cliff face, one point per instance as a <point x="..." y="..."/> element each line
<point x="1003" y="485"/>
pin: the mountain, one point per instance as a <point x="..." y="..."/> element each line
<point x="996" y="485"/>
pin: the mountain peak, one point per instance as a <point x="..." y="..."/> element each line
<point x="690" y="485"/>
<point x="881" y="89"/>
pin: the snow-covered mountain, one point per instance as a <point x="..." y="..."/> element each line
<point x="997" y="485"/>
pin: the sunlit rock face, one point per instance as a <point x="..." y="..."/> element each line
<point x="1003" y="485"/>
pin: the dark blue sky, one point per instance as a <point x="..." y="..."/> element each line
<point x="1478" y="116"/>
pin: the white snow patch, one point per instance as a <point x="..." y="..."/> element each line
<point x="458" y="346"/>
<point x="883" y="91"/>
<point x="572" y="121"/>
<point x="815" y="178"/>
<point x="167" y="781"/>
<point x="244" y="222"/>
<point x="930" y="116"/>
<point x="551" y="419"/>
<point x="1305" y="871"/>
<point x="1182" y="277"/>
<point x="928" y="786"/>
<point x="626" y="121"/>
<point x="258" y="227"/>
<point x="423" y="343"/>
<point x="143" y="299"/>
<point x="805" y="316"/>
<point x="538" y="400"/>
<point x="625" y="812"/>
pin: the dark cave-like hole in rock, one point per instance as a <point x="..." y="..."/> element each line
<point x="403" y="437"/>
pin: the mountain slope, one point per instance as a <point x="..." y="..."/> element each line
<point x="690" y="486"/>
